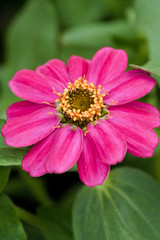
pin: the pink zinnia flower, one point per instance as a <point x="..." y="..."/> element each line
<point x="83" y="113"/>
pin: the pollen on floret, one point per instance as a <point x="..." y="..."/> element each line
<point x="81" y="102"/>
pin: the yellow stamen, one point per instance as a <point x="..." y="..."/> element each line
<point x="82" y="101"/>
<point x="52" y="113"/>
<point x="112" y="103"/>
<point x="59" y="94"/>
<point x="85" y="132"/>
<point x="53" y="105"/>
<point x="56" y="127"/>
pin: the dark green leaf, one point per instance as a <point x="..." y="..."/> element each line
<point x="4" y="174"/>
<point x="56" y="223"/>
<point x="10" y="226"/>
<point x="126" y="206"/>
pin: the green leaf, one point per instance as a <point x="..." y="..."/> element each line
<point x="12" y="156"/>
<point x="151" y="67"/>
<point x="32" y="36"/>
<point x="55" y="223"/>
<point x="126" y="206"/>
<point x="4" y="174"/>
<point x="148" y="24"/>
<point x="103" y="34"/>
<point x="10" y="226"/>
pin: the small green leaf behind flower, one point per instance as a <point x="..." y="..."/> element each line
<point x="151" y="67"/>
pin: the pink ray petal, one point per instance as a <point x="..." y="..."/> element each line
<point x="65" y="151"/>
<point x="35" y="87"/>
<point x="30" y="129"/>
<point x="130" y="86"/>
<point x="19" y="109"/>
<point x="145" y="113"/>
<point x="91" y="170"/>
<point x="141" y="140"/>
<point x="108" y="143"/>
<point x="106" y="65"/>
<point x="78" y="67"/>
<point x="34" y="161"/>
<point x="56" y="69"/>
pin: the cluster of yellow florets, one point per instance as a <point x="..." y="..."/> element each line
<point x="81" y="101"/>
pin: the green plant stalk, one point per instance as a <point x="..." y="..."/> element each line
<point x="28" y="217"/>
<point x="37" y="189"/>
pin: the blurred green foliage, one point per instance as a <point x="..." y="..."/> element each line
<point x="46" y="29"/>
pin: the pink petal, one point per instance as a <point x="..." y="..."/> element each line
<point x="56" y="69"/>
<point x="145" y="113"/>
<point x="66" y="150"/>
<point x="34" y="161"/>
<point x="78" y="67"/>
<point x="106" y="65"/>
<point x="140" y="139"/>
<point x="35" y="87"/>
<point x="29" y="129"/>
<point x="22" y="108"/>
<point x="130" y="86"/>
<point x="110" y="146"/>
<point x="91" y="170"/>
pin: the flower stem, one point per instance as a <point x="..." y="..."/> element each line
<point x="37" y="189"/>
<point x="28" y="217"/>
<point x="158" y="95"/>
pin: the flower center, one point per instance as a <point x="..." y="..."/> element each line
<point x="81" y="102"/>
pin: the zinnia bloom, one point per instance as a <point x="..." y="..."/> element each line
<point x="83" y="113"/>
